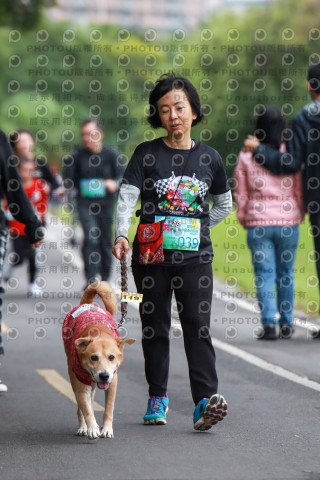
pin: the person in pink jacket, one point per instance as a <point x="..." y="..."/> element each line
<point x="270" y="207"/>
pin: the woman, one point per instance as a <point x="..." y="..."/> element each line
<point x="36" y="191"/>
<point x="174" y="176"/>
<point x="23" y="145"/>
<point x="270" y="207"/>
<point x="21" y="210"/>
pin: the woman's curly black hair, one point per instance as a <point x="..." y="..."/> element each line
<point x="166" y="83"/>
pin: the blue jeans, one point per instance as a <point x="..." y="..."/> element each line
<point x="273" y="252"/>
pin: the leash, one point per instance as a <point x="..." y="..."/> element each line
<point x="125" y="296"/>
<point x="124" y="288"/>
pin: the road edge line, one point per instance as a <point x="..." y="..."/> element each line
<point x="264" y="365"/>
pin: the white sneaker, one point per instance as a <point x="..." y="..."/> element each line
<point x="3" y="387"/>
<point x="34" y="290"/>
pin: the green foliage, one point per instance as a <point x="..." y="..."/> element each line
<point x="259" y="58"/>
<point x="59" y="74"/>
<point x="23" y="14"/>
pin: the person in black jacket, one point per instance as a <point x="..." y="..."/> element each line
<point x="94" y="173"/>
<point x="20" y="208"/>
<point x="303" y="153"/>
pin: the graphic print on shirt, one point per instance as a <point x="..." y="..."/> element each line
<point x="183" y="197"/>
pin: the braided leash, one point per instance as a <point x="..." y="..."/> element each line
<point x="124" y="288"/>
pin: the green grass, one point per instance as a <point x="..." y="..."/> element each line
<point x="232" y="262"/>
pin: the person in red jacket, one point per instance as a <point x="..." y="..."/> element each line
<point x="37" y="191"/>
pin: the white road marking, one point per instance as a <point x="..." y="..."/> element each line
<point x="252" y="308"/>
<point x="260" y="363"/>
<point x="269" y="367"/>
<point x="253" y="359"/>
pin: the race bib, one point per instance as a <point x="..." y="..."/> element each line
<point x="92" y="188"/>
<point x="180" y="233"/>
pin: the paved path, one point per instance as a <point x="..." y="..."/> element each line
<point x="271" y="431"/>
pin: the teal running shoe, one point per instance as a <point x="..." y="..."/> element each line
<point x="156" y="411"/>
<point x="209" y="411"/>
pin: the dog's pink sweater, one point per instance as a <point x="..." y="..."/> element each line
<point x="76" y="321"/>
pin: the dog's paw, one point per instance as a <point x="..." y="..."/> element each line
<point x="82" y="431"/>
<point x="106" y="432"/>
<point x="93" y="433"/>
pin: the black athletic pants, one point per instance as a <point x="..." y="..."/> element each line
<point x="192" y="285"/>
<point x="96" y="220"/>
<point x="21" y="250"/>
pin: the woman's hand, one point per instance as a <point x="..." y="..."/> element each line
<point x="36" y="244"/>
<point x="122" y="246"/>
<point x="250" y="144"/>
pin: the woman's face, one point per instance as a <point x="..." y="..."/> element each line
<point x="24" y="146"/>
<point x="26" y="171"/>
<point x="176" y="115"/>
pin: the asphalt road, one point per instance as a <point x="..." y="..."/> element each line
<point x="272" y="389"/>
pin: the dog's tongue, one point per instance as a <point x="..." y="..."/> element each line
<point x="103" y="386"/>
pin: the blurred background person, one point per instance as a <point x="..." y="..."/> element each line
<point x="37" y="192"/>
<point x="270" y="207"/>
<point x="95" y="173"/>
<point x="12" y="188"/>
<point x="302" y="153"/>
<point x="23" y="145"/>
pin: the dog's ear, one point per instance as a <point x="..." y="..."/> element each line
<point x="82" y="343"/>
<point x="122" y="341"/>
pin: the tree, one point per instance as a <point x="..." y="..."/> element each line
<point x="23" y="14"/>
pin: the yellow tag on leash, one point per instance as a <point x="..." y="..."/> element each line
<point x="131" y="297"/>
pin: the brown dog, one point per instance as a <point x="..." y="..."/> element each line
<point x="94" y="352"/>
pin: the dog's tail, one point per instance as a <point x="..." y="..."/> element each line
<point x="104" y="290"/>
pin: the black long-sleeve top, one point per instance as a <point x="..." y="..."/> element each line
<point x="303" y="152"/>
<point x="17" y="199"/>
